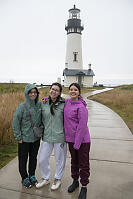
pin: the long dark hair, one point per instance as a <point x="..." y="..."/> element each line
<point x="77" y="86"/>
<point x="58" y="100"/>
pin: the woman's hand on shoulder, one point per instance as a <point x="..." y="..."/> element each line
<point x="44" y="100"/>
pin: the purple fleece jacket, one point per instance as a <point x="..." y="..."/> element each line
<point x="75" y="122"/>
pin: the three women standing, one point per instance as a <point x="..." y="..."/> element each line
<point x="56" y="117"/>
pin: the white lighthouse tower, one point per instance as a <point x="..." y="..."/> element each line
<point x="73" y="71"/>
<point x="74" y="42"/>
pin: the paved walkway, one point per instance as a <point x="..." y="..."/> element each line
<point x="111" y="163"/>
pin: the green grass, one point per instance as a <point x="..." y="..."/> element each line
<point x="128" y="87"/>
<point x="12" y="87"/>
<point x="7" y="153"/>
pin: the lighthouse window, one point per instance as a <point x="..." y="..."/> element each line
<point x="75" y="56"/>
<point x="74" y="15"/>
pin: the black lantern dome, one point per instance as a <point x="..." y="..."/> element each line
<point x="74" y="21"/>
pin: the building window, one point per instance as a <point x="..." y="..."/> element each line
<point x="75" y="54"/>
<point x="74" y="15"/>
<point x="78" y="30"/>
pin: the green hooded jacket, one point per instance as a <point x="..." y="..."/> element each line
<point x="21" y="125"/>
<point x="54" y="124"/>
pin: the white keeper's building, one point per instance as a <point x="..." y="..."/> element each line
<point x="74" y="71"/>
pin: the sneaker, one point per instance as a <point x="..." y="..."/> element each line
<point x="42" y="183"/>
<point x="33" y="180"/>
<point x="26" y="183"/>
<point x="56" y="184"/>
<point x="73" y="186"/>
<point x="83" y="193"/>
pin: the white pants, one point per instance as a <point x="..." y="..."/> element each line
<point x="60" y="151"/>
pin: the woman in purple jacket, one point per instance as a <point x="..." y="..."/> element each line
<point x="78" y="138"/>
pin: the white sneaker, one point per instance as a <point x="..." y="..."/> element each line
<point x="56" y="184"/>
<point x="42" y="183"/>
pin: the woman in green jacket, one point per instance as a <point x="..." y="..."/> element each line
<point x="53" y="119"/>
<point x="28" y="144"/>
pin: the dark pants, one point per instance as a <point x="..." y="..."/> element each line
<point x="26" y="150"/>
<point x="80" y="165"/>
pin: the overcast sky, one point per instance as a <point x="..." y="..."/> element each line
<point x="33" y="39"/>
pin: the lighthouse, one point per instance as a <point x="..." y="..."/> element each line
<point x="74" y="71"/>
<point x="74" y="43"/>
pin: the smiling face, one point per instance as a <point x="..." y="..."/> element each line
<point x="33" y="94"/>
<point x="54" y="92"/>
<point x="74" y="92"/>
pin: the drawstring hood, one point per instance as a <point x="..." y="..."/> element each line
<point x="27" y="90"/>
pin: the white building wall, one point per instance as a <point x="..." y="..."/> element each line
<point x="87" y="81"/>
<point x="59" y="80"/>
<point x="69" y="79"/>
<point x="74" y="44"/>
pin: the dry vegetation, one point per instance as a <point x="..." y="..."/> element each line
<point x="9" y="102"/>
<point x="121" y="101"/>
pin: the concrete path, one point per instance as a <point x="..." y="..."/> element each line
<point x="111" y="163"/>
